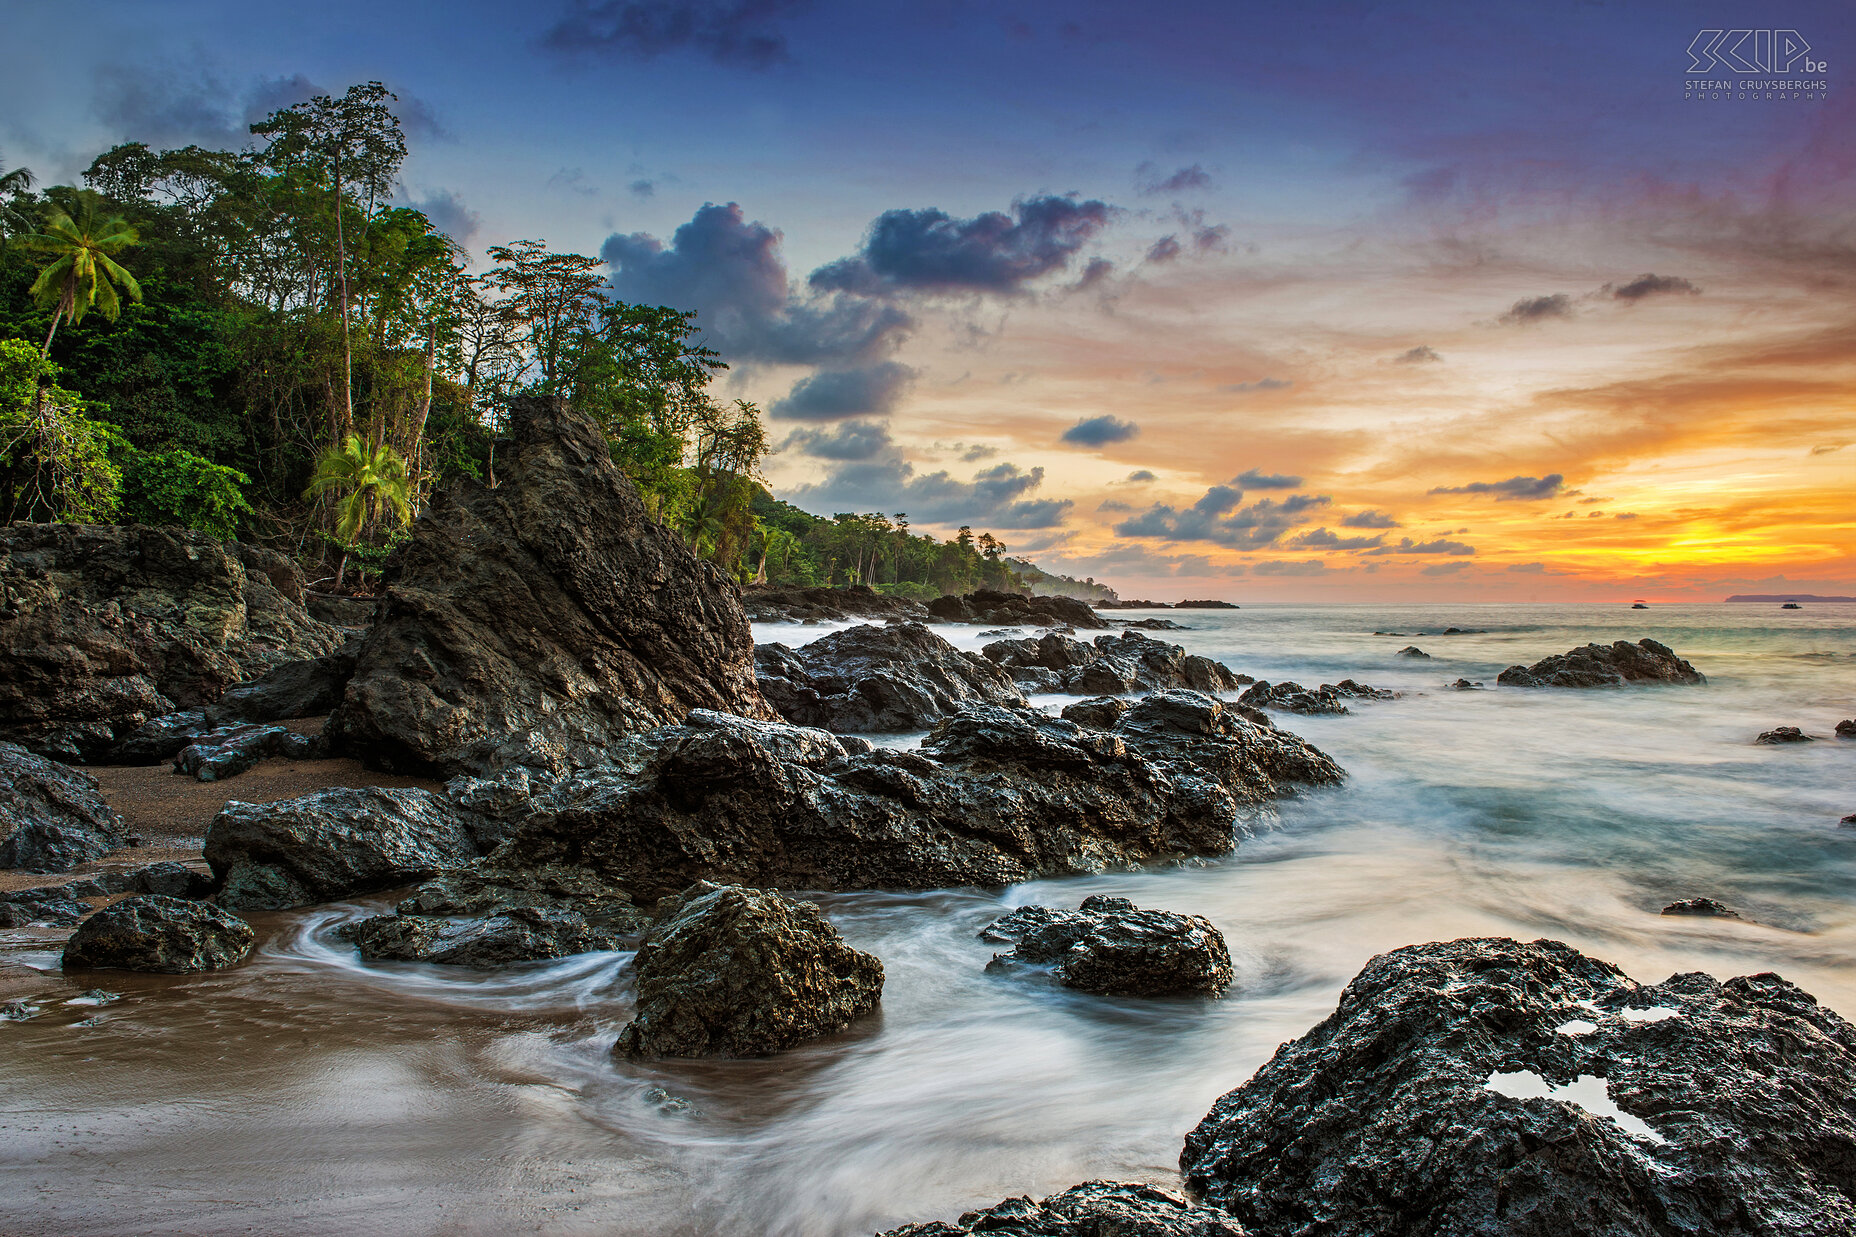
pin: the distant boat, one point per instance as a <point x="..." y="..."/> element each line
<point x="1638" y="605"/>
<point x="1791" y="605"/>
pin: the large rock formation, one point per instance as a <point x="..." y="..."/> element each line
<point x="102" y="628"/>
<point x="1093" y="1209"/>
<point x="1014" y="610"/>
<point x="1598" y="665"/>
<point x="869" y="679"/>
<point x="1113" y="947"/>
<point x="1112" y="666"/>
<point x="993" y="796"/>
<point x="792" y="604"/>
<point x="52" y="817"/>
<point x="1489" y="1087"/>
<point x="532" y="623"/>
<point x="742" y="972"/>
<point x="157" y="933"/>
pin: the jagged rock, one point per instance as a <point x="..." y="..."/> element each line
<point x="1205" y="604"/>
<point x="994" y="609"/>
<point x="308" y="688"/>
<point x="18" y="1011"/>
<point x="1098" y="712"/>
<point x="992" y="797"/>
<point x="533" y="623"/>
<point x="784" y="604"/>
<point x="1598" y="665"/>
<point x="1412" y="650"/>
<point x="227" y="751"/>
<point x="1783" y="734"/>
<point x="1093" y="1209"/>
<point x="1359" y="691"/>
<point x="1112" y="947"/>
<point x="1847" y="729"/>
<point x="1112" y="666"/>
<point x="521" y="934"/>
<point x="156" y="933"/>
<point x="481" y="890"/>
<point x="339" y="610"/>
<point x="1293" y="698"/>
<point x="1700" y="906"/>
<point x="54" y="816"/>
<point x="1393" y="1117"/>
<point x="334" y="843"/>
<point x="1151" y="624"/>
<point x="104" y="627"/>
<point x="729" y="971"/>
<point x="1464" y="685"/>
<point x="871" y="678"/>
<point x="1848" y="821"/>
<point x="54" y="910"/>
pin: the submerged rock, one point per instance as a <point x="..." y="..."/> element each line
<point x="1847" y="729"/>
<point x="156" y="933"/>
<point x="1412" y="650"/>
<point x="521" y="934"/>
<point x="1093" y="1209"/>
<point x="1598" y="665"/>
<point x="107" y="626"/>
<point x="1294" y="698"/>
<point x="1700" y="906"/>
<point x="741" y="972"/>
<point x="1112" y="665"/>
<point x="1704" y="1107"/>
<point x="534" y="623"/>
<point x="1465" y="685"/>
<point x="992" y="797"/>
<point x="52" y="817"/>
<point x="870" y="678"/>
<point x="1112" y="947"/>
<point x="1783" y="734"/>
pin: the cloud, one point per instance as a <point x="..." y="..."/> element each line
<point x="1649" y="285"/>
<point x="417" y="119"/>
<point x="834" y="394"/>
<point x="977" y="452"/>
<point x="1261" y="384"/>
<point x="1254" y="479"/>
<point x="1323" y="539"/>
<point x="1514" y="489"/>
<point x="573" y="180"/>
<point x="642" y="189"/>
<point x="1828" y="448"/>
<point x="1538" y="309"/>
<point x="997" y="497"/>
<point x="733" y="32"/>
<point x="850" y="440"/>
<point x="1445" y="569"/>
<point x="930" y="251"/>
<point x="167" y="106"/>
<point x="1213" y="239"/>
<point x="1166" y="249"/>
<point x="1099" y="432"/>
<point x="448" y="214"/>
<point x="1148" y="181"/>
<point x="1368" y="519"/>
<point x="1304" y="567"/>
<point x="1218" y="517"/>
<point x="1440" y="546"/>
<point x="1625" y="515"/>
<point x="730" y="272"/>
<point x="1114" y="506"/>
<point x="1098" y="270"/>
<point x="1423" y="354"/>
<point x="1141" y="476"/>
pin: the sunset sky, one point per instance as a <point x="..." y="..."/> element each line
<point x="1336" y="301"/>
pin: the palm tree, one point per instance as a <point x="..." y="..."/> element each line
<point x="12" y="219"/>
<point x="371" y="481"/>
<point x="776" y="544"/>
<point x="82" y="273"/>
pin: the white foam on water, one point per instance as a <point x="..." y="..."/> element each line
<point x="1588" y="1091"/>
<point x="1656" y="1013"/>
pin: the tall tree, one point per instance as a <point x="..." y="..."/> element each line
<point x="81" y="273"/>
<point x="368" y="482"/>
<point x="12" y="217"/>
<point x="553" y="296"/>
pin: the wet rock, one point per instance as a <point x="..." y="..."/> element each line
<point x="174" y="880"/>
<point x="1734" y="1110"/>
<point x="155" y="933"/>
<point x="871" y="678"/>
<point x="1112" y="666"/>
<point x="1783" y="734"/>
<point x="787" y="604"/>
<point x="1464" y="685"/>
<point x="1294" y="698"/>
<point x="729" y="971"/>
<point x="534" y="623"/>
<point x="307" y="688"/>
<point x="1205" y="604"/>
<point x="53" y="911"/>
<point x="483" y="890"/>
<point x="332" y="844"/>
<point x="1093" y="1209"/>
<point x="1099" y="713"/>
<point x="1152" y="624"/>
<point x="665" y="1102"/>
<point x="340" y="610"/>
<point x="1598" y="665"/>
<point x="227" y="751"/>
<point x="161" y="738"/>
<point x="18" y="1011"/>
<point x="1700" y="906"/>
<point x="1846" y="729"/>
<point x="1848" y="821"/>
<point x="1112" y="947"/>
<point x="522" y="934"/>
<point x="1359" y="691"/>
<point x="994" y="609"/>
<point x="52" y="817"/>
<point x="109" y="626"/>
<point x="1412" y="650"/>
<point x="992" y="797"/>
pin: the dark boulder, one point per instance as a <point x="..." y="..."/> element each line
<point x="103" y="627"/>
<point x="993" y="797"/>
<point x="1114" y="948"/>
<point x="51" y="907"/>
<point x="1598" y="665"/>
<point x="737" y="972"/>
<point x="533" y="623"/>
<point x="1706" y="907"/>
<point x="1093" y="1209"/>
<point x="334" y="843"/>
<point x="1412" y="650"/>
<point x="174" y="880"/>
<point x="1847" y="729"/>
<point x="1465" y="685"/>
<point x="1111" y="666"/>
<point x="53" y="817"/>
<point x="1783" y="734"/>
<point x="1293" y="698"/>
<point x="995" y="609"/>
<point x="788" y="604"/>
<point x="1151" y="624"/>
<point x="870" y="678"/>
<point x="307" y="688"/>
<point x="522" y="934"/>
<point x="479" y="890"/>
<point x="156" y="933"/>
<point x="1688" y="1107"/>
<point x="227" y="751"/>
<point x="1205" y="603"/>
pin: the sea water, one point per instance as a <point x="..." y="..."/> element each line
<point x="304" y="1092"/>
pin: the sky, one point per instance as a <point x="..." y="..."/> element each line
<point x="1334" y="301"/>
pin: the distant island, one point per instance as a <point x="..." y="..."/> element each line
<point x="1776" y="597"/>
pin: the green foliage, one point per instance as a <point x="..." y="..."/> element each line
<point x="178" y="487"/>
<point x="367" y="483"/>
<point x="54" y="459"/>
<point x="81" y="274"/>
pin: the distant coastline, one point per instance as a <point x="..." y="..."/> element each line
<point x="1778" y="597"/>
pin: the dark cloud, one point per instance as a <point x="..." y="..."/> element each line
<point x="167" y="107"/>
<point x="273" y="94"/>
<point x="1538" y="309"/>
<point x="573" y="180"/>
<point x="1261" y="384"/>
<point x="1440" y="546"/>
<point x="931" y="251"/>
<point x="1368" y="519"/>
<point x="730" y="272"/>
<point x="1213" y="239"/>
<point x="1649" y="285"/>
<point x="1098" y="270"/>
<point x="1324" y="539"/>
<point x="1828" y="448"/>
<point x="1114" y="506"/>
<point x="417" y="119"/>
<point x="1625" y="515"/>
<point x="642" y="189"/>
<point x="1514" y="489"/>
<point x="1141" y="476"/>
<point x="1303" y="567"/>
<point x="1033" y="513"/>
<point x="737" y="32"/>
<point x="851" y="440"/>
<point x="996" y="498"/>
<point x="1219" y="517"/>
<point x="1256" y="479"/>
<point x="834" y="394"/>
<point x="1099" y="432"/>
<point x="1150" y="183"/>
<point x="977" y="452"/>
<point x="1166" y="249"/>
<point x="448" y="214"/>
<point x="1423" y="354"/>
<point x="1445" y="569"/>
